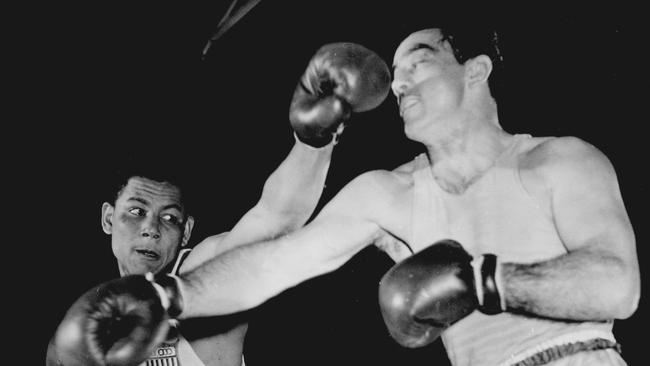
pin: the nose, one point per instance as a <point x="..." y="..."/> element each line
<point x="401" y="82"/>
<point x="151" y="229"/>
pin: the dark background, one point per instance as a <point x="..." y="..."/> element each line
<point x="102" y="81"/>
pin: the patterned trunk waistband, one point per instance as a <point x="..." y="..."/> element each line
<point x="563" y="346"/>
<point x="564" y="350"/>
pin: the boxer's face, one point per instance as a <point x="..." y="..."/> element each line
<point x="146" y="225"/>
<point x="428" y="81"/>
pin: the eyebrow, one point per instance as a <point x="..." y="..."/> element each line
<point x="418" y="46"/>
<point x="146" y="203"/>
<point x="138" y="199"/>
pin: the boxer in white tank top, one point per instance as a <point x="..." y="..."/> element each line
<point x="515" y="226"/>
<point x="541" y="235"/>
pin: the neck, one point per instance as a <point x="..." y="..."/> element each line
<point x="460" y="158"/>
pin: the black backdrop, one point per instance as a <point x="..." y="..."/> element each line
<point x="106" y="80"/>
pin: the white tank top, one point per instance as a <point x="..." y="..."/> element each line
<point x="510" y="224"/>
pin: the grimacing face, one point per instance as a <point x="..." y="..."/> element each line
<point x="147" y="225"/>
<point x="427" y="81"/>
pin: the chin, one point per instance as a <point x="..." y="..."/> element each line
<point x="411" y="131"/>
<point x="143" y="269"/>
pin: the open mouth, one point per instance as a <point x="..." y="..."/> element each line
<point x="148" y="254"/>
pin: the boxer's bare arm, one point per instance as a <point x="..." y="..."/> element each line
<point x="246" y="276"/>
<point x="288" y="199"/>
<point x="599" y="277"/>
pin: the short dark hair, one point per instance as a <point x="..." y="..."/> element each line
<point x="468" y="39"/>
<point x="170" y="171"/>
<point x="469" y="42"/>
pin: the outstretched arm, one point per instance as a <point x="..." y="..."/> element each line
<point x="288" y="199"/>
<point x="340" y="79"/>
<point x="248" y="275"/>
<point x="598" y="279"/>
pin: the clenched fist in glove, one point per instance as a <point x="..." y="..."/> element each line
<point x="341" y="78"/>
<point x="426" y="293"/>
<point x="119" y="322"/>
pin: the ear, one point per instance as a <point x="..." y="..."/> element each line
<point x="187" y="232"/>
<point x="107" y="218"/>
<point x="478" y="69"/>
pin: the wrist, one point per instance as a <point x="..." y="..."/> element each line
<point x="489" y="284"/>
<point x="167" y="287"/>
<point x="316" y="143"/>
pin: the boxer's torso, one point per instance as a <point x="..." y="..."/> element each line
<point x="496" y="215"/>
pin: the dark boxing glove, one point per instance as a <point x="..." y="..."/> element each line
<point x="426" y="293"/>
<point x="119" y="322"/>
<point x="341" y="78"/>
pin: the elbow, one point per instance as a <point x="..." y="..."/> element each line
<point x="625" y="292"/>
<point x="285" y="219"/>
<point x="292" y="209"/>
<point x="292" y="221"/>
<point x="628" y="299"/>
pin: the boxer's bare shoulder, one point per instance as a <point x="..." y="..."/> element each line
<point x="387" y="197"/>
<point x="371" y="202"/>
<point x="546" y="162"/>
<point x="383" y="186"/>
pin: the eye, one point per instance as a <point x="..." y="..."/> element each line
<point x="137" y="211"/>
<point x="173" y="219"/>
<point x="420" y="60"/>
<point x="422" y="56"/>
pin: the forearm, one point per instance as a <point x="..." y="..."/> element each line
<point x="244" y="278"/>
<point x="582" y="285"/>
<point x="222" y="285"/>
<point x="289" y="197"/>
<point x="248" y="275"/>
<point x="293" y="190"/>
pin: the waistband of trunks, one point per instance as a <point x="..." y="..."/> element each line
<point x="563" y="346"/>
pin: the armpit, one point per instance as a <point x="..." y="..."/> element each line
<point x="394" y="247"/>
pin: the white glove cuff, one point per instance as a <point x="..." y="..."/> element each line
<point x="500" y="284"/>
<point x="489" y="286"/>
<point x="162" y="294"/>
<point x="333" y="142"/>
<point x="477" y="264"/>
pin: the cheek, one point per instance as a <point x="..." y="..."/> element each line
<point x="123" y="230"/>
<point x="120" y="245"/>
<point x="436" y="95"/>
<point x="442" y="93"/>
<point x="128" y="222"/>
<point x="172" y="237"/>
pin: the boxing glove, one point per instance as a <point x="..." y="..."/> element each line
<point x="341" y="78"/>
<point x="119" y="322"/>
<point x="426" y="293"/>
